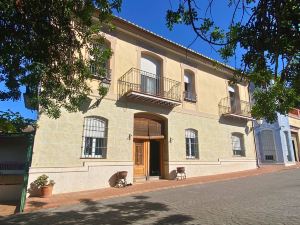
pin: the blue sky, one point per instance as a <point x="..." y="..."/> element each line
<point x="150" y="14"/>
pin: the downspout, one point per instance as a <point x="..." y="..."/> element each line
<point x="30" y="139"/>
<point x="254" y="136"/>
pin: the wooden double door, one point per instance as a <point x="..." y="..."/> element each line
<point x="147" y="158"/>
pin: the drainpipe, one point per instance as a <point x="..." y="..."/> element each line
<point x="30" y="139"/>
<point x="256" y="154"/>
<point x="254" y="136"/>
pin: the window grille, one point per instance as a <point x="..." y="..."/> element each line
<point x="94" y="138"/>
<point x="191" y="139"/>
<point x="238" y="144"/>
<point x="269" y="157"/>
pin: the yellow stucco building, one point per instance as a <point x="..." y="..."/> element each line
<point x="167" y="107"/>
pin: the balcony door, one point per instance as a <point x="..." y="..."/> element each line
<point x="234" y="99"/>
<point x="150" y="75"/>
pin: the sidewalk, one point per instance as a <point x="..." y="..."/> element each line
<point x="35" y="203"/>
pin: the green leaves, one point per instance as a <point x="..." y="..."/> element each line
<point x="41" y="47"/>
<point x="275" y="98"/>
<point x="268" y="34"/>
<point x="11" y="122"/>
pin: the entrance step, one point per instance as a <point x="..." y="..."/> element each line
<point x="139" y="179"/>
<point x="150" y="178"/>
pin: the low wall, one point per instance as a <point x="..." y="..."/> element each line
<point x="95" y="175"/>
<point x="194" y="169"/>
<point x="92" y="175"/>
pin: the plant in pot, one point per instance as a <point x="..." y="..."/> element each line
<point x="45" y="185"/>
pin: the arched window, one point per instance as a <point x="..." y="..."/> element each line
<point x="267" y="143"/>
<point x="191" y="140"/>
<point x="189" y="87"/>
<point x="94" y="137"/>
<point x="238" y="146"/>
<point x="103" y="69"/>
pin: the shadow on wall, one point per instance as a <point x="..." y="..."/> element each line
<point x="233" y="121"/>
<point x="137" y="209"/>
<point x="123" y="102"/>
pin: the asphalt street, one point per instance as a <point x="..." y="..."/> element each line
<point x="265" y="199"/>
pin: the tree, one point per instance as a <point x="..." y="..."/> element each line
<point x="268" y="32"/>
<point x="11" y="122"/>
<point x="41" y="48"/>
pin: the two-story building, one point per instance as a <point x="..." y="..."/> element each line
<point x="167" y="107"/>
<point x="274" y="142"/>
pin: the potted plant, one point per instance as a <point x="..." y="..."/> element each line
<point x="45" y="185"/>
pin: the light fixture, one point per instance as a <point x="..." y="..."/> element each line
<point x="171" y="140"/>
<point x="129" y="136"/>
<point x="259" y="121"/>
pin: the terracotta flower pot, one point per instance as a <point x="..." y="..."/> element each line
<point x="46" y="191"/>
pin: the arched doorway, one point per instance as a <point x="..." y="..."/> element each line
<point x="148" y="146"/>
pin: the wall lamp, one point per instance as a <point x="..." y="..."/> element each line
<point x="129" y="136"/>
<point x="171" y="140"/>
<point x="259" y="121"/>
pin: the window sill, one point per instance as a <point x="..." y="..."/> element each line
<point x="190" y="100"/>
<point x="92" y="158"/>
<point x="192" y="158"/>
<point x="103" y="79"/>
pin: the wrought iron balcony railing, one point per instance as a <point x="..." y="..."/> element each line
<point x="190" y="96"/>
<point x="295" y="113"/>
<point x="149" y="84"/>
<point x="235" y="108"/>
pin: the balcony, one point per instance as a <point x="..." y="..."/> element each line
<point x="190" y="96"/>
<point x="235" y="108"/>
<point x="147" y="87"/>
<point x="295" y="113"/>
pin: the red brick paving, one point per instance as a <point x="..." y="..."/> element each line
<point x="35" y="203"/>
<point x="7" y="208"/>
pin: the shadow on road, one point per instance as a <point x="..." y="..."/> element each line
<point x="91" y="212"/>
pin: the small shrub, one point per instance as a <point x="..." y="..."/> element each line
<point x="43" y="180"/>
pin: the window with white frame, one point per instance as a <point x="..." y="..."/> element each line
<point x="189" y="92"/>
<point x="94" y="137"/>
<point x="238" y="147"/>
<point x="191" y="140"/>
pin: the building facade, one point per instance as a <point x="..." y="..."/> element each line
<point x="274" y="142"/>
<point x="167" y="107"/>
<point x="294" y="121"/>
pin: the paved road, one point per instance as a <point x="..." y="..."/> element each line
<point x="266" y="199"/>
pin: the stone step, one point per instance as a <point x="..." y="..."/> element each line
<point x="151" y="178"/>
<point x="139" y="179"/>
